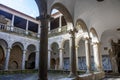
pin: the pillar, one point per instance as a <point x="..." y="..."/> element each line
<point x="73" y="72"/>
<point x="37" y="60"/>
<point x="12" y="23"/>
<point x="27" y="27"/>
<point x="49" y="58"/>
<point x="23" y="59"/>
<point x="97" y="57"/>
<point x="77" y="57"/>
<point x="43" y="57"/>
<point x="38" y="35"/>
<point x="61" y="59"/>
<point x="88" y="55"/>
<point x="60" y="23"/>
<point x="49" y="27"/>
<point x="7" y="58"/>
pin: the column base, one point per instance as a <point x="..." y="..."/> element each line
<point x="12" y="29"/>
<point x="72" y="75"/>
<point x="88" y="72"/>
<point x="70" y="79"/>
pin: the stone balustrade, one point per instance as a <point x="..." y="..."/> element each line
<point x="16" y="30"/>
<point x="58" y="31"/>
<point x="3" y="27"/>
<point x="20" y="31"/>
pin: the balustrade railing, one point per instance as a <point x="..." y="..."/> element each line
<point x="64" y="29"/>
<point x="58" y="31"/>
<point x="3" y="27"/>
<point x="16" y="30"/>
<point x="19" y="30"/>
<point x="30" y="33"/>
<point x="7" y="28"/>
<point x="54" y="31"/>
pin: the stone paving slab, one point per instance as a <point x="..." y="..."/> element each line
<point x="30" y="76"/>
<point x="51" y="76"/>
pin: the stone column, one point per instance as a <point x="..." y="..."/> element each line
<point x="12" y="23"/>
<point x="97" y="59"/>
<point x="61" y="59"/>
<point x="37" y="60"/>
<point x="38" y="35"/>
<point x="88" y="55"/>
<point x="60" y="23"/>
<point x="7" y="58"/>
<point x="27" y="27"/>
<point x="43" y="62"/>
<point x="43" y="57"/>
<point x="73" y="72"/>
<point x="49" y="27"/>
<point x="49" y="58"/>
<point x="77" y="57"/>
<point x="23" y="59"/>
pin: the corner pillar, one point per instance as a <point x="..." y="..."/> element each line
<point x="73" y="70"/>
<point x="49" y="58"/>
<point x="7" y="58"/>
<point x="61" y="58"/>
<point x="77" y="57"/>
<point x="88" y="55"/>
<point x="37" y="60"/>
<point x="12" y="23"/>
<point x="27" y="27"/>
<point x="97" y="60"/>
<point x="23" y="59"/>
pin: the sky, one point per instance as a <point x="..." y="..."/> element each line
<point x="28" y="7"/>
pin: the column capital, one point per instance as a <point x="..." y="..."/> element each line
<point x="8" y="48"/>
<point x="50" y="50"/>
<point x="95" y="43"/>
<point x="77" y="46"/>
<point x="61" y="48"/>
<point x="87" y="40"/>
<point x="24" y="51"/>
<point x="72" y="32"/>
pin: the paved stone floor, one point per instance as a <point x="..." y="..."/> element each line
<point x="112" y="77"/>
<point x="51" y="76"/>
<point x="34" y="76"/>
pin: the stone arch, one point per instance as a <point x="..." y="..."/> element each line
<point x="16" y="54"/>
<point x="65" y="12"/>
<point x="80" y="25"/>
<point x="19" y="44"/>
<point x="93" y="35"/>
<point x="31" y="48"/>
<point x="82" y="30"/>
<point x="4" y="45"/>
<point x="63" y="42"/>
<point x="30" y="56"/>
